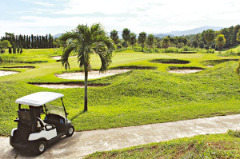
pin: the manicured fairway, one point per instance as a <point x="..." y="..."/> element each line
<point x="132" y="98"/>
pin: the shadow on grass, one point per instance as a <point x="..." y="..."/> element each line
<point x="77" y="115"/>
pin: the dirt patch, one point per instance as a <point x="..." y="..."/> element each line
<point x="91" y="74"/>
<point x="65" y="85"/>
<point x="5" y="73"/>
<point x="170" y="61"/>
<point x="28" y="67"/>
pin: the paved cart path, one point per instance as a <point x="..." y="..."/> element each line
<point x="87" y="142"/>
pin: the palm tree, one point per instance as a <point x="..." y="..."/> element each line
<point x="86" y="40"/>
<point x="132" y="39"/>
<point x="150" y="40"/>
<point x="142" y="38"/>
<point x="126" y="37"/>
<point x="166" y="43"/>
<point x="114" y="36"/>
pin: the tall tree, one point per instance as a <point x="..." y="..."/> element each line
<point x="150" y="40"/>
<point x="114" y="36"/>
<point x="10" y="37"/>
<point x="126" y="37"/>
<point x="238" y="36"/>
<point x="4" y="45"/>
<point x="142" y="38"/>
<point x="86" y="40"/>
<point x="209" y="36"/>
<point x="166" y="43"/>
<point x="158" y="42"/>
<point x="132" y="39"/>
<point x="220" y="41"/>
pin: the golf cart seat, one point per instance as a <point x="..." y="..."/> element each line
<point x="56" y="120"/>
<point x="41" y="125"/>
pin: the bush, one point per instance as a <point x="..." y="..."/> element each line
<point x="171" y="50"/>
<point x="235" y="133"/>
<point x="150" y="50"/>
<point x="137" y="49"/>
<point x="231" y="52"/>
<point x="211" y="51"/>
<point x="120" y="50"/>
<point x="187" y="48"/>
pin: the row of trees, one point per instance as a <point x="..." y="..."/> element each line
<point x="231" y="35"/>
<point x="18" y="42"/>
<point x="148" y="40"/>
<point x="131" y="38"/>
<point x="226" y="37"/>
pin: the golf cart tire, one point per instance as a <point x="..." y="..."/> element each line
<point x="70" y="131"/>
<point x="41" y="147"/>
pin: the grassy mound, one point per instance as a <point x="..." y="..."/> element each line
<point x="209" y="146"/>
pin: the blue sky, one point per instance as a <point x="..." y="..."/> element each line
<point x="151" y="16"/>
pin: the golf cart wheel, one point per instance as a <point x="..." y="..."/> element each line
<point x="70" y="131"/>
<point x="41" y="147"/>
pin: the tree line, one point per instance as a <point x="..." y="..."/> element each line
<point x="231" y="35"/>
<point x="224" y="38"/>
<point x="19" y="42"/>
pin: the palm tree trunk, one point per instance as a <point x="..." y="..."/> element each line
<point x="86" y="84"/>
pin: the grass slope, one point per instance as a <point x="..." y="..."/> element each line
<point x="134" y="98"/>
<point x="203" y="146"/>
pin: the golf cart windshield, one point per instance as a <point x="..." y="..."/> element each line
<point x="55" y="110"/>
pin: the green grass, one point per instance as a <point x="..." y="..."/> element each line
<point x="141" y="96"/>
<point x="221" y="146"/>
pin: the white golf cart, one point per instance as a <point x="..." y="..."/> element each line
<point x="33" y="133"/>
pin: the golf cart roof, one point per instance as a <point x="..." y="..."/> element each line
<point x="39" y="98"/>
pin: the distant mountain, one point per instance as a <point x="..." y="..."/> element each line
<point x="57" y="35"/>
<point x="172" y="33"/>
<point x="162" y="35"/>
<point x="188" y="32"/>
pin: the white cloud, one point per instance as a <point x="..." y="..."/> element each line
<point x="171" y="12"/>
<point x="151" y="16"/>
<point x="45" y="4"/>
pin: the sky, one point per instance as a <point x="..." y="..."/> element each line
<point x="152" y="16"/>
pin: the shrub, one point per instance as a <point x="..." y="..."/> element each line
<point x="211" y="50"/>
<point x="150" y="50"/>
<point x="137" y="49"/>
<point x="171" y="50"/>
<point x="235" y="133"/>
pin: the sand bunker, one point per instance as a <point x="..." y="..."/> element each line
<point x="5" y="73"/>
<point x="91" y="74"/>
<point x="64" y="85"/>
<point x="59" y="57"/>
<point x="56" y="57"/>
<point x="184" y="71"/>
<point x="209" y="66"/>
<point x="58" y="86"/>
